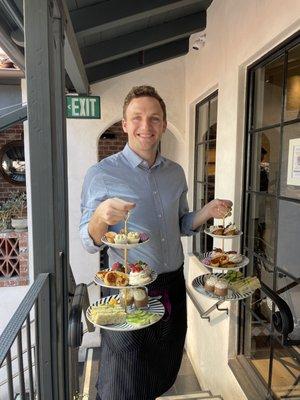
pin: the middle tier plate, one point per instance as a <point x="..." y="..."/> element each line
<point x="123" y="246"/>
<point x="204" y="258"/>
<point x="100" y="282"/>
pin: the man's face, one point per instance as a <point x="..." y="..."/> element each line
<point x="144" y="124"/>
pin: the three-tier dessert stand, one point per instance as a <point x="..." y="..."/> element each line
<point x="154" y="306"/>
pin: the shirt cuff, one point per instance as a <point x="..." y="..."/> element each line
<point x="87" y="241"/>
<point x="186" y="224"/>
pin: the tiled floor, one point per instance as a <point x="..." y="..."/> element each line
<point x="186" y="381"/>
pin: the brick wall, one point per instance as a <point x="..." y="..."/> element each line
<point x="106" y="146"/>
<point x="13" y="133"/>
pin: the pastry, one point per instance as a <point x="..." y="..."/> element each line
<point x="117" y="266"/>
<point x="120" y="238"/>
<point x="217" y="230"/>
<point x="210" y="282"/>
<point x="221" y="288"/>
<point x="129" y="297"/>
<point x="234" y="257"/>
<point x="140" y="298"/>
<point x="140" y="274"/>
<point x="217" y="252"/>
<point x="115" y="278"/>
<point x="215" y="262"/>
<point x="223" y="260"/>
<point x="101" y="274"/>
<point x="133" y="237"/>
<point x="230" y="230"/>
<point x="110" y="237"/>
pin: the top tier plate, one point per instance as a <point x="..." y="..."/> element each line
<point x="207" y="231"/>
<point x="123" y="246"/>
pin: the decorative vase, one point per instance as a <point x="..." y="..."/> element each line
<point x="19" y="223"/>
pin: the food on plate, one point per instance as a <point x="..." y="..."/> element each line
<point x="234" y="257"/>
<point x="117" y="266"/>
<point x="133" y="237"/>
<point x="144" y="237"/>
<point x="139" y="274"/>
<point x="142" y="317"/>
<point x="210" y="283"/>
<point x="245" y="285"/>
<point x="140" y="297"/>
<point x="230" y="230"/>
<point x="110" y="236"/>
<point x="233" y="276"/>
<point x="216" y="252"/>
<point x="115" y="278"/>
<point x="129" y="297"/>
<point x="107" y="314"/>
<point x="120" y="238"/>
<point x="221" y="288"/>
<point x="101" y="274"/>
<point x="217" y="230"/>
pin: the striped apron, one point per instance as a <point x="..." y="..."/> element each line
<point x="143" y="364"/>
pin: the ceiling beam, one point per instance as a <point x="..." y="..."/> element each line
<point x="13" y="117"/>
<point x="111" y="14"/>
<point x="138" y="60"/>
<point x="11" y="49"/>
<point x="73" y="61"/>
<point x="133" y="42"/>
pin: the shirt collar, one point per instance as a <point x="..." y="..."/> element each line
<point x="135" y="160"/>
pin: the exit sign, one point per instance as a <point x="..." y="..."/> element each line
<point x="83" y="107"/>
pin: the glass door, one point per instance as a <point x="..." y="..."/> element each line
<point x="272" y="219"/>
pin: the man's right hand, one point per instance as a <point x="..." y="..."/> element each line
<point x="109" y="212"/>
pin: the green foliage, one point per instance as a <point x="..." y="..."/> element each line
<point x="14" y="207"/>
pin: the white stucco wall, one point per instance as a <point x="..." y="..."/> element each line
<point x="169" y="79"/>
<point x="237" y="34"/>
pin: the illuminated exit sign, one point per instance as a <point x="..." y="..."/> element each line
<point x="84" y="107"/>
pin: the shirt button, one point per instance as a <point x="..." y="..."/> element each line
<point x="165" y="264"/>
<point x="155" y="192"/>
<point x="159" y="215"/>
<point x="163" y="239"/>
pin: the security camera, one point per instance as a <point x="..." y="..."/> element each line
<point x="199" y="42"/>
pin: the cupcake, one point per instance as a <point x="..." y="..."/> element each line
<point x="120" y="238"/>
<point x="210" y="283"/>
<point x="221" y="288"/>
<point x="133" y="237"/>
<point x="217" y="230"/>
<point x="140" y="297"/>
<point x="230" y="230"/>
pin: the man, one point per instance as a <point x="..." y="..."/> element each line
<point x="143" y="364"/>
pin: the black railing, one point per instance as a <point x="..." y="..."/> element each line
<point x="23" y="380"/>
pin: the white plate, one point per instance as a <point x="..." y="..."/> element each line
<point x="155" y="306"/>
<point x="242" y="264"/>
<point x="207" y="231"/>
<point x="198" y="285"/>
<point x="99" y="282"/>
<point x="123" y="246"/>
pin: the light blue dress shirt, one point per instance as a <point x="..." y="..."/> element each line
<point x="161" y="208"/>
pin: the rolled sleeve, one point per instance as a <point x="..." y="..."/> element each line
<point x="93" y="193"/>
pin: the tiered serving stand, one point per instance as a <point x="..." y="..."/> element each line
<point x="199" y="282"/>
<point x="155" y="306"/>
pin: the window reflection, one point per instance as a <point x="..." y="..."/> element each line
<point x="292" y="99"/>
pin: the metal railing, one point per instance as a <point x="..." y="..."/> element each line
<point x="12" y="336"/>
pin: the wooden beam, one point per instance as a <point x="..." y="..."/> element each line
<point x="11" y="49"/>
<point x="9" y="119"/>
<point x="113" y="13"/>
<point x="138" y="60"/>
<point x="133" y="42"/>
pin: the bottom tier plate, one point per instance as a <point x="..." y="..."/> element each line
<point x="155" y="306"/>
<point x="198" y="285"/>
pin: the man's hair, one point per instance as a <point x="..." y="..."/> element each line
<point x="144" y="91"/>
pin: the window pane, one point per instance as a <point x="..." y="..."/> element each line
<point x="261" y="231"/>
<point x="292" y="100"/>
<point x="202" y="123"/>
<point x="268" y="93"/>
<point x="290" y="168"/>
<point x="200" y="162"/>
<point x="213" y="118"/>
<point x="265" y="151"/>
<point x="210" y="162"/>
<point x="288" y="237"/>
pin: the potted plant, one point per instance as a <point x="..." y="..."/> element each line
<point x="5" y="216"/>
<point x="17" y="203"/>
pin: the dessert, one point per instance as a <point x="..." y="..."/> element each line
<point x="140" y="297"/>
<point x="129" y="297"/>
<point x="210" y="283"/>
<point x="221" y="288"/>
<point x="133" y="237"/>
<point x="106" y="314"/>
<point x="217" y="252"/>
<point x="234" y="257"/>
<point x="117" y="266"/>
<point x="144" y="237"/>
<point x="115" y="278"/>
<point x="120" y="238"/>
<point x="140" y="273"/>
<point x="216" y="230"/>
<point x="110" y="237"/>
<point x="230" y="230"/>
